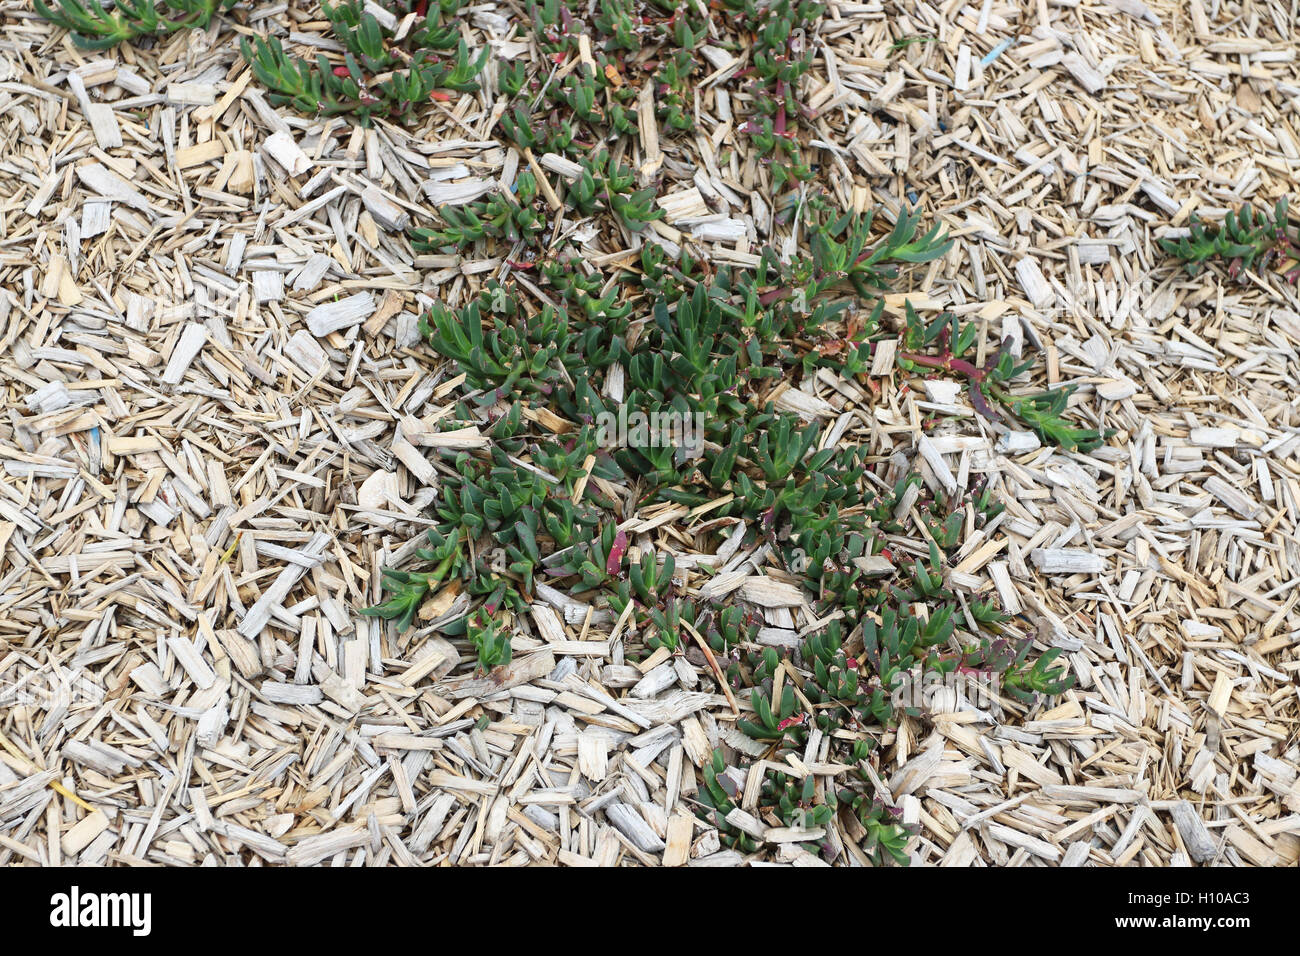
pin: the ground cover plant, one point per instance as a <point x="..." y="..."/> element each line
<point x="706" y="344"/>
<point x="1247" y="240"/>
<point x="706" y="351"/>
<point x="98" y="27"/>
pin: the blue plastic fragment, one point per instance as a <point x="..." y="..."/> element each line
<point x="997" y="51"/>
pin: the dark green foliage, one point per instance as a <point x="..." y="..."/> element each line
<point x="773" y="718"/>
<point x="491" y="641"/>
<point x="606" y="187"/>
<point x="1044" y="413"/>
<point x="718" y="798"/>
<point x="614" y="19"/>
<point x="512" y="77"/>
<point x="379" y="75"/>
<point x="407" y="592"/>
<point x="650" y="580"/>
<point x="845" y="248"/>
<point x="808" y="296"/>
<point x="694" y="354"/>
<point x="666" y="625"/>
<point x="597" y="559"/>
<point x="794" y="800"/>
<point x="516" y="352"/>
<point x="96" y="27"/>
<point x="703" y="347"/>
<point x="781" y="55"/>
<point x="699" y="347"/>
<point x="886" y="838"/>
<point x="510" y="218"/>
<point x="1023" y="679"/>
<point x="1247" y="240"/>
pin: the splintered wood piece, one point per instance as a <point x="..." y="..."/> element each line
<point x="1196" y="837"/>
<point x="108" y="184"/>
<point x="387" y="213"/>
<point x="290" y="157"/>
<point x="343" y="314"/>
<point x="520" y="671"/>
<point x="1067" y="561"/>
<point x="187" y="349"/>
<point x="259" y="614"/>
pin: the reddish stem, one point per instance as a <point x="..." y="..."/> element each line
<point x="776" y="295"/>
<point x="779" y="125"/>
<point x="615" y="560"/>
<point x="947" y="363"/>
<point x="973" y="375"/>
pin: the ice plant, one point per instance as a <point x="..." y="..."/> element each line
<point x="781" y="55"/>
<point x="509" y="217"/>
<point x="96" y="26"/>
<point x="491" y="642"/>
<point x="561" y="341"/>
<point x="383" y="72"/>
<point x="1247" y="240"/>
<point x="705" y="346"/>
<point x="1044" y="413"/>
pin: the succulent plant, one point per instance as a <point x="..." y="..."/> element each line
<point x="95" y="26"/>
<point x="1247" y="240"/>
<point x="380" y="74"/>
<point x="490" y="640"/>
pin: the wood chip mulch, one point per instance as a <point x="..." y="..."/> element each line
<point x="211" y="377"/>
